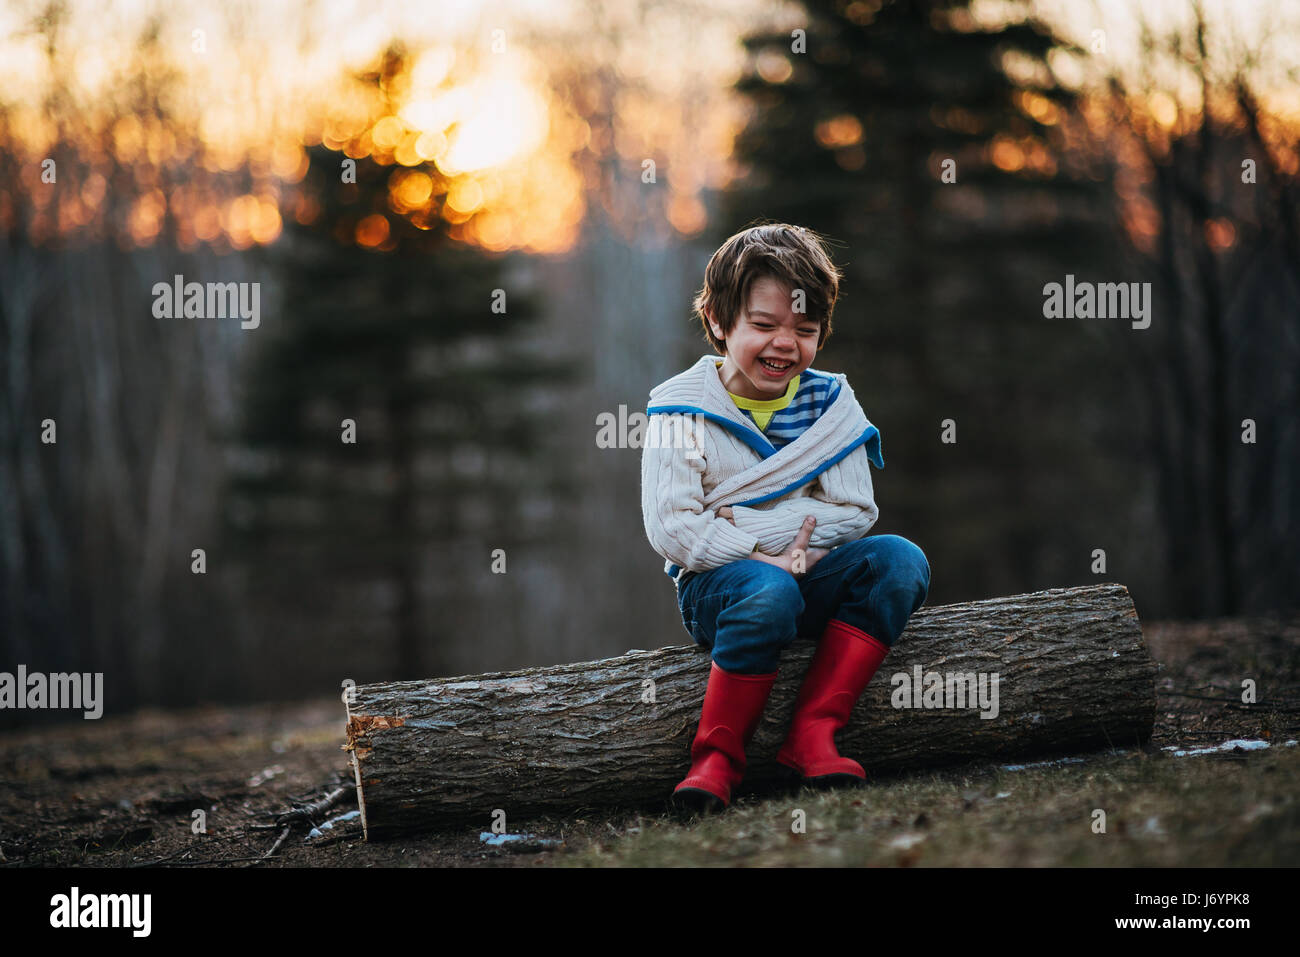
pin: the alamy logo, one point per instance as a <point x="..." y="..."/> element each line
<point x="1104" y="300"/>
<point x="58" y="690"/>
<point x="624" y="431"/>
<point x="102" y="910"/>
<point x="954" y="690"/>
<point x="213" y="300"/>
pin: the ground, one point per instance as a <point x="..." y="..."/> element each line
<point x="121" y="792"/>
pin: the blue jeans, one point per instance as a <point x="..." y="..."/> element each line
<point x="745" y="612"/>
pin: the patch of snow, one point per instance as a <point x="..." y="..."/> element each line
<point x="496" y="840"/>
<point x="1041" y="764"/>
<point x="903" y="841"/>
<point x="1232" y="745"/>
<point x="329" y="825"/>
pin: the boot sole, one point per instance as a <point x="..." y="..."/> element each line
<point x="827" y="782"/>
<point x="694" y="801"/>
<point x="823" y="782"/>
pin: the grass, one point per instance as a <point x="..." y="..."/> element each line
<point x="1219" y="810"/>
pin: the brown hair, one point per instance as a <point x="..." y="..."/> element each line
<point x="794" y="256"/>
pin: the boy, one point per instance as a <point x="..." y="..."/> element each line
<point x="761" y="518"/>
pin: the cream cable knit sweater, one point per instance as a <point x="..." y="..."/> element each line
<point x="728" y="461"/>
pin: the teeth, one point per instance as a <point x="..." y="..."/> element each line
<point x="774" y="366"/>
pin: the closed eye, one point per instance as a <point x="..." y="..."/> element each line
<point x="805" y="331"/>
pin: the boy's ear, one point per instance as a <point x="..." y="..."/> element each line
<point x="713" y="325"/>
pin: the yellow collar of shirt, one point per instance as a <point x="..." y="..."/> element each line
<point x="763" y="409"/>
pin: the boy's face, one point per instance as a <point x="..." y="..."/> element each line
<point x="767" y="331"/>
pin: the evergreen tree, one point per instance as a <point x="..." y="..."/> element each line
<point x="389" y="445"/>
<point x="931" y="146"/>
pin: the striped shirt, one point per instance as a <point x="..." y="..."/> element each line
<point x="785" y="418"/>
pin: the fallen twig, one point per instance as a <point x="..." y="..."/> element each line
<point x="217" y="860"/>
<point x="162" y="860"/>
<point x="308" y="811"/>
<point x="278" y="841"/>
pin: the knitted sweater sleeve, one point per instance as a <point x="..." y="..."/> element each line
<point x="672" y="504"/>
<point x="842" y="501"/>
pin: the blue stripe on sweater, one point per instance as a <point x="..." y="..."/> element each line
<point x="756" y="442"/>
<point x="817" y="391"/>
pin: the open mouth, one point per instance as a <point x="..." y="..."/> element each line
<point x="775" y="365"/>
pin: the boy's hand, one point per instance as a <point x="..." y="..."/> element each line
<point x="799" y="558"/>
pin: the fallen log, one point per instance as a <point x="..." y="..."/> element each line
<point x="1064" y="671"/>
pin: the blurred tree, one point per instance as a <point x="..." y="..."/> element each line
<point x="935" y="147"/>
<point x="96" y="527"/>
<point x="346" y="532"/>
<point x="1213" y="215"/>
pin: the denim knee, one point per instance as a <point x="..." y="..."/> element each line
<point x="774" y="594"/>
<point x="758" y="621"/>
<point x="902" y="568"/>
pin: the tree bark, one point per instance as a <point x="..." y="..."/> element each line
<point x="1073" y="675"/>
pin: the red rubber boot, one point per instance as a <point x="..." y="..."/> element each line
<point x="733" y="703"/>
<point x="845" y="661"/>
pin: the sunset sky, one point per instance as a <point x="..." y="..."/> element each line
<point x="257" y="82"/>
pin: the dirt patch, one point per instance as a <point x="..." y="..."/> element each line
<point x="123" y="792"/>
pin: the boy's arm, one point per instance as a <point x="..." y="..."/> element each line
<point x="672" y="506"/>
<point x="843" y="502"/>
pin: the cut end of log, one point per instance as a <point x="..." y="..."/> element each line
<point x="360" y="725"/>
